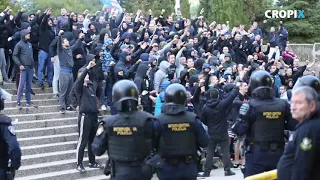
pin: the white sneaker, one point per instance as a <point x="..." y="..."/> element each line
<point x="103" y="108"/>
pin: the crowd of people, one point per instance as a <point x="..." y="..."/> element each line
<point x="153" y="52"/>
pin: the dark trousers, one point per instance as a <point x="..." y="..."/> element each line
<point x="259" y="162"/>
<point x="181" y="171"/>
<point x="26" y="77"/>
<point x="3" y="174"/>
<point x="129" y="173"/>
<point x="98" y="88"/>
<point x="224" y="145"/>
<point x="87" y="131"/>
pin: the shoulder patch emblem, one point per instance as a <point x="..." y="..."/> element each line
<point x="11" y="130"/>
<point x="100" y="130"/>
<point x="306" y="144"/>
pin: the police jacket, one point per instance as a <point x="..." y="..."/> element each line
<point x="182" y="132"/>
<point x="9" y="146"/>
<point x="85" y="96"/>
<point x="214" y="114"/>
<point x="301" y="157"/>
<point x="128" y="137"/>
<point x="264" y="120"/>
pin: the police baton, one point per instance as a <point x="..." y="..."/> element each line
<point x="10" y="171"/>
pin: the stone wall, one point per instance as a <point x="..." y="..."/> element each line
<point x="305" y="51"/>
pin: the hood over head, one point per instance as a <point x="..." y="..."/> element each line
<point x="24" y="32"/>
<point x="205" y="65"/>
<point x="142" y="70"/>
<point x="164" y="65"/>
<point x="144" y="57"/>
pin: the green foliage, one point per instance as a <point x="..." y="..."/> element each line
<point x="236" y="12"/>
<point x="71" y="5"/>
<point x="144" y="5"/>
<point x="301" y="30"/>
<point x="194" y="11"/>
<point x="4" y="3"/>
<point x="185" y="8"/>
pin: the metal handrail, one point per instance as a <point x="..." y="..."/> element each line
<point x="270" y="175"/>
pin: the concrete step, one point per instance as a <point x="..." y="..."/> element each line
<point x="13" y="85"/>
<point x="48" y="157"/>
<point x="38" y="102"/>
<point x="31" y="110"/>
<point x="37" y="96"/>
<point x="55" y="166"/>
<point x="32" y="141"/>
<point x="45" y="123"/>
<point x="64" y="174"/>
<point x="46" y="148"/>
<point x="36" y="90"/>
<point x="41" y="116"/>
<point x="66" y="129"/>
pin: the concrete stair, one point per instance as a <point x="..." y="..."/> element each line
<point x="48" y="139"/>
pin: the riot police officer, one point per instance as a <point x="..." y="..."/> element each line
<point x="127" y="136"/>
<point x="263" y="120"/>
<point x="10" y="153"/>
<point x="182" y="135"/>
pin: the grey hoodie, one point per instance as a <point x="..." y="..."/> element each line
<point x="161" y="74"/>
<point x="23" y="53"/>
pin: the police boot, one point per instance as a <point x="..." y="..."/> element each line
<point x="229" y="173"/>
<point x="206" y="174"/>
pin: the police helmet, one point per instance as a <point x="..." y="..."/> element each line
<point x="260" y="78"/>
<point x="176" y="93"/>
<point x="308" y="80"/>
<point x="124" y="91"/>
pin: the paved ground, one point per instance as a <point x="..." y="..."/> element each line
<point x="218" y="174"/>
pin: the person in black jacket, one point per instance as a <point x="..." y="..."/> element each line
<point x="46" y="35"/>
<point x="88" y="116"/>
<point x="214" y="115"/>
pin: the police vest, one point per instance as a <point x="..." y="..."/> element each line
<point x="269" y="121"/>
<point x="5" y="121"/>
<point x="128" y="140"/>
<point x="178" y="138"/>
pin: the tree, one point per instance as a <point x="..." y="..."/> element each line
<point x="301" y="30"/>
<point x="236" y="12"/>
<point x="15" y="6"/>
<point x="71" y="5"/>
<point x="185" y="8"/>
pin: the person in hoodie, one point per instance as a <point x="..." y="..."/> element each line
<point x="160" y="98"/>
<point x="123" y="68"/>
<point x="214" y="115"/>
<point x="143" y="82"/>
<point x="161" y="75"/>
<point x="23" y="57"/>
<point x="46" y="35"/>
<point x="106" y="59"/>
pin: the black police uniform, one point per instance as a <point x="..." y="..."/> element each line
<point x="182" y="134"/>
<point x="127" y="136"/>
<point x="87" y="119"/>
<point x="263" y="120"/>
<point x="9" y="147"/>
